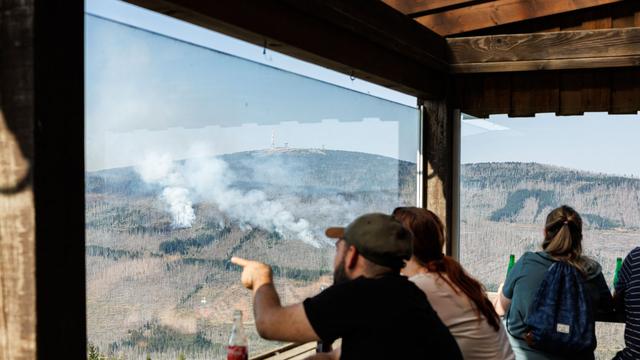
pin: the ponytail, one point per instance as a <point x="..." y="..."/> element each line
<point x="563" y="236"/>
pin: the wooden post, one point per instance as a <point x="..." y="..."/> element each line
<point x="58" y="64"/>
<point x="42" y="284"/>
<point x="441" y="129"/>
<point x="17" y="208"/>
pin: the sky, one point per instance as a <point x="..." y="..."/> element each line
<point x="151" y="93"/>
<point x="147" y="92"/>
<point x="595" y="142"/>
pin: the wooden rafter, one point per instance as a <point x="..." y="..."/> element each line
<point x="500" y="12"/>
<point x="420" y="6"/>
<point x="365" y="39"/>
<point x="546" y="51"/>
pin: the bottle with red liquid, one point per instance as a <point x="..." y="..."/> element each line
<point x="238" y="345"/>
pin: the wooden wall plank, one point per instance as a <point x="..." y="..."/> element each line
<point x="624" y="21"/>
<point x="534" y="93"/>
<point x="540" y="65"/>
<point x="496" y="94"/>
<point x="603" y="23"/>
<point x="487" y="15"/>
<point x="567" y="93"/>
<point x="596" y="91"/>
<point x="546" y="51"/>
<point x="625" y="91"/>
<point x="545" y="46"/>
<point x="571" y="94"/>
<point x="17" y="208"/>
<point x="474" y="95"/>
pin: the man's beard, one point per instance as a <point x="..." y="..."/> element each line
<point x="339" y="274"/>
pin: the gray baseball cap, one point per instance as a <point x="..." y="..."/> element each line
<point x="378" y="237"/>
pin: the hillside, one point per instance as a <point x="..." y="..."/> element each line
<point x="159" y="241"/>
<point x="525" y="192"/>
<point x="157" y="287"/>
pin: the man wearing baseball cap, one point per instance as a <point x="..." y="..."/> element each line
<point x="378" y="313"/>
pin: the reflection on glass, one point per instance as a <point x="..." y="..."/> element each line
<point x="194" y="156"/>
<point x="515" y="171"/>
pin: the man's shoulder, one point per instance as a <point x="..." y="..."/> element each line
<point x="634" y="256"/>
<point x="387" y="285"/>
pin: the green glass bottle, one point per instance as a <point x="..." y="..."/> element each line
<point x="512" y="261"/>
<point x="615" y="274"/>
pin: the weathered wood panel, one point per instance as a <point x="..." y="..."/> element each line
<point x="17" y="211"/>
<point x="625" y="91"/>
<point x="496" y="94"/>
<point x="571" y="94"/>
<point x="438" y="154"/>
<point x="583" y="19"/>
<point x="542" y="65"/>
<point x="546" y="51"/>
<point x="533" y="94"/>
<point x="499" y="12"/>
<point x="376" y="43"/>
<point x="565" y="93"/>
<point x="596" y="91"/>
<point x="546" y="46"/>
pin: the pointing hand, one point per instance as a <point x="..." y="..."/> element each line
<point x="254" y="273"/>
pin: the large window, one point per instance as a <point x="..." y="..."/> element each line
<point x="194" y="156"/>
<point x="515" y="170"/>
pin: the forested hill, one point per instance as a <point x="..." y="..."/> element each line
<point x="525" y="192"/>
<point x="292" y="170"/>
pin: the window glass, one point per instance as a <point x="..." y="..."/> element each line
<point x="516" y="170"/>
<point x="194" y="156"/>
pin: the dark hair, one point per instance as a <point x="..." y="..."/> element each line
<point x="428" y="242"/>
<point x="563" y="236"/>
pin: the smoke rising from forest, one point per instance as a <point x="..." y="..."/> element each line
<point x="209" y="179"/>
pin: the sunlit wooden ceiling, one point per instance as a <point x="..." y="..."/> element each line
<point x="453" y="17"/>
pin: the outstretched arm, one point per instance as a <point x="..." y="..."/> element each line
<point x="273" y="321"/>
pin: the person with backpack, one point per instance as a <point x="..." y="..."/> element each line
<point x="551" y="298"/>
<point x="458" y="298"/>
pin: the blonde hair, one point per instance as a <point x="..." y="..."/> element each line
<point x="563" y="236"/>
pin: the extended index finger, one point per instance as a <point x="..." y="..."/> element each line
<point x="239" y="261"/>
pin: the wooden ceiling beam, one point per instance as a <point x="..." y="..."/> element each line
<point x="413" y="7"/>
<point x="500" y="12"/>
<point x="581" y="49"/>
<point x="364" y="39"/>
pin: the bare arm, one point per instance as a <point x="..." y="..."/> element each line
<point x="273" y="321"/>
<point x="501" y="303"/>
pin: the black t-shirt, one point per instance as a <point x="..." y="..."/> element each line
<point x="382" y="318"/>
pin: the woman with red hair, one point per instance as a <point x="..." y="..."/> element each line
<point x="459" y="299"/>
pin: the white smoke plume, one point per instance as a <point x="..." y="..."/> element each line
<point x="160" y="169"/>
<point x="180" y="206"/>
<point x="210" y="179"/>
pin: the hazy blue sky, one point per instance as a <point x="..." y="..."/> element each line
<point x="596" y="141"/>
<point x="149" y="92"/>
